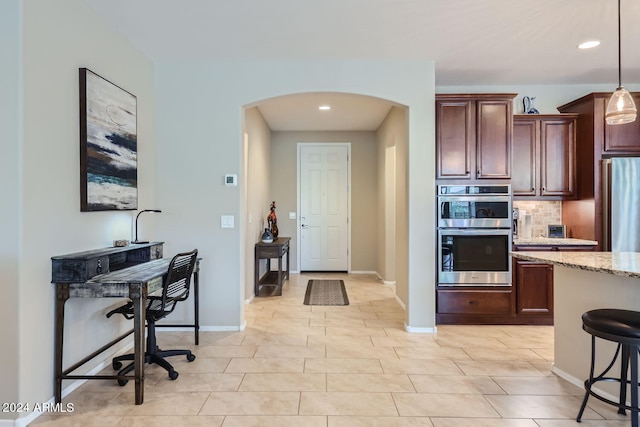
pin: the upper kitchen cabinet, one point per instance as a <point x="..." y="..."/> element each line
<point x="610" y="139"/>
<point x="596" y="139"/>
<point x="544" y="157"/>
<point x="473" y="136"/>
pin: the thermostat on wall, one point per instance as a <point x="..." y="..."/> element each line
<point x="231" y="179"/>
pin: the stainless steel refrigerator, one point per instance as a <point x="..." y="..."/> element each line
<point x="621" y="210"/>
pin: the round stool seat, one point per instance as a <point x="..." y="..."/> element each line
<point x="625" y="323"/>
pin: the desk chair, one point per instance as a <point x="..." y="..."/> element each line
<point x="175" y="288"/>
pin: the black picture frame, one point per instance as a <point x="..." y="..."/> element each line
<point x="108" y="145"/>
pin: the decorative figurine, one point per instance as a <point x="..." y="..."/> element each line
<point x="529" y="108"/>
<point x="273" y="221"/>
<point x="267" y="237"/>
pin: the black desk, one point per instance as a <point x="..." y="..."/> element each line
<point x="271" y="283"/>
<point x="131" y="272"/>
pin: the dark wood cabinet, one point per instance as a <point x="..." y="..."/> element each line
<point x="465" y="301"/>
<point x="534" y="288"/>
<point x="544" y="157"/>
<point x="596" y="139"/>
<point x="533" y="283"/>
<point x="622" y="139"/>
<point x="475" y="305"/>
<point x="473" y="136"/>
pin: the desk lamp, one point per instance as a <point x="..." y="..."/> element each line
<point x="137" y="216"/>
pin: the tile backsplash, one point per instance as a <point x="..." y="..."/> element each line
<point x="542" y="213"/>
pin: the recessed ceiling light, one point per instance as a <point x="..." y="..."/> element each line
<point x="324" y="107"/>
<point x="589" y="44"/>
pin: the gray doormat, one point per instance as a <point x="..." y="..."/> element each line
<point x="326" y="292"/>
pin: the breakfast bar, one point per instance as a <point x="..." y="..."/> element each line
<point x="586" y="281"/>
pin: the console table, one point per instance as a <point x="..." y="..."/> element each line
<point x="121" y="272"/>
<point x="270" y="284"/>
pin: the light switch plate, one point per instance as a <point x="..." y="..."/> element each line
<point x="292" y="215"/>
<point x="226" y="221"/>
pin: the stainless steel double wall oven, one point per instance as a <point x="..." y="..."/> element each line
<point x="474" y="235"/>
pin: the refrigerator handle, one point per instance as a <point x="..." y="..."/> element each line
<point x="606" y="205"/>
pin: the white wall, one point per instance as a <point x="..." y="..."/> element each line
<point x="200" y="131"/>
<point x="363" y="191"/>
<point x="59" y="37"/>
<point x="10" y="183"/>
<point x="392" y="139"/>
<point x="258" y="189"/>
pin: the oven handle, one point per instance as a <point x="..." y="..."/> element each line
<point x="475" y="232"/>
<point x="474" y="198"/>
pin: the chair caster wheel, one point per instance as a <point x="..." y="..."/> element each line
<point x="173" y="375"/>
<point x="122" y="383"/>
<point x="191" y="357"/>
<point x="116" y="365"/>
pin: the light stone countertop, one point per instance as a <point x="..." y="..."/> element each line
<point x="618" y="263"/>
<point x="545" y="241"/>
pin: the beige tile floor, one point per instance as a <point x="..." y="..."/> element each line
<point x="298" y="365"/>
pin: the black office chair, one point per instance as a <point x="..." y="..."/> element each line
<point x="175" y="288"/>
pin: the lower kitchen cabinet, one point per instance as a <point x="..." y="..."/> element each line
<point x="533" y="282"/>
<point x="498" y="305"/>
<point x="475" y="305"/>
<point x="475" y="301"/>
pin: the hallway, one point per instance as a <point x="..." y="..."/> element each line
<point x="330" y="366"/>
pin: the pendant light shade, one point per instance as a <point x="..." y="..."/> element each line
<point x="621" y="108"/>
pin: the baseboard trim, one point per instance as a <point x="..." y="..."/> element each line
<point x="580" y="383"/>
<point x="24" y="421"/>
<point x="234" y="328"/>
<point x="399" y="301"/>
<point x="420" y="330"/>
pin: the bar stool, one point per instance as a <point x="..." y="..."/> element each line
<point x="622" y="327"/>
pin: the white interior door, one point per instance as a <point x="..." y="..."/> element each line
<point x="324" y="207"/>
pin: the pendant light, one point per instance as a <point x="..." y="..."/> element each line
<point x="621" y="108"/>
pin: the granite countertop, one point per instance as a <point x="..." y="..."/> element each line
<point x="546" y="241"/>
<point x="618" y="263"/>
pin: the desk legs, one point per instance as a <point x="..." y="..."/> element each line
<point x="196" y="292"/>
<point x="138" y="295"/>
<point x="62" y="295"/>
<point x="280" y="275"/>
<point x="287" y="254"/>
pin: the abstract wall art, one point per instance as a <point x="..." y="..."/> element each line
<point x="108" y="145"/>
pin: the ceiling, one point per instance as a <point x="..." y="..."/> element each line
<point x="472" y="42"/>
